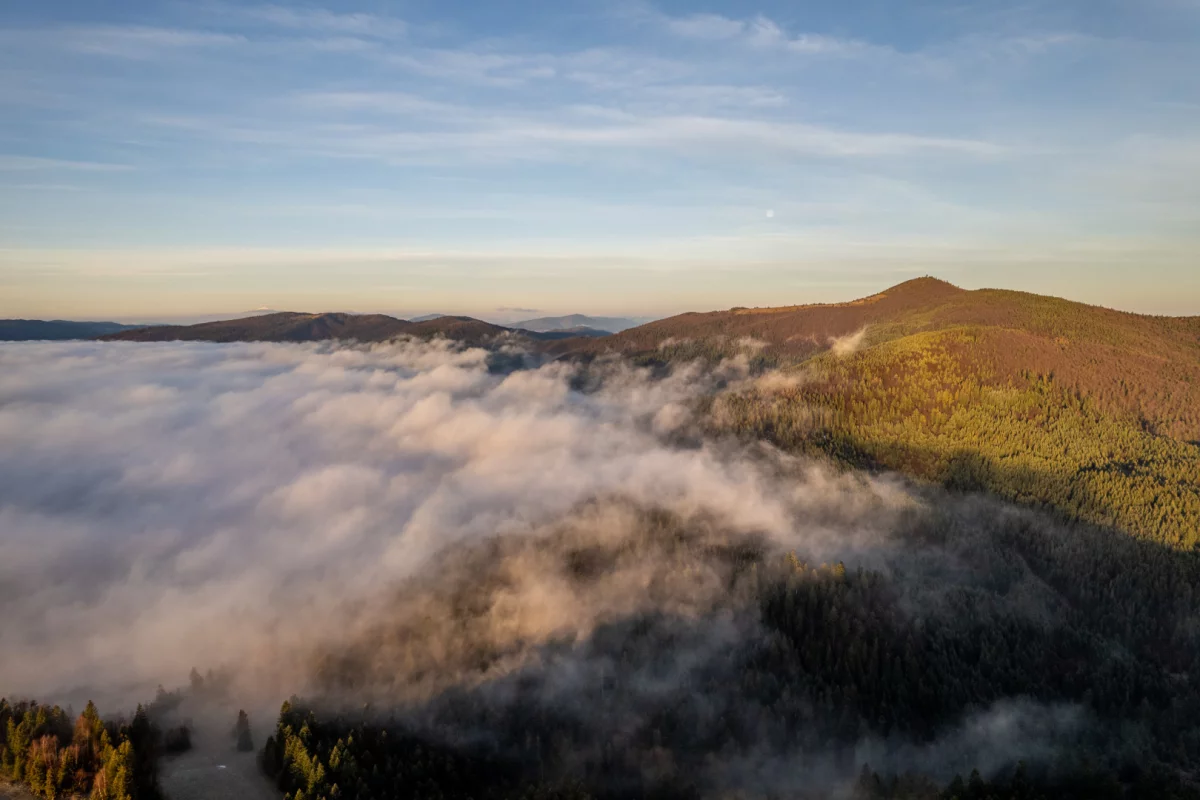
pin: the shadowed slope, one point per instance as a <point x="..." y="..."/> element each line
<point x="288" y="326"/>
<point x="285" y="326"/>
<point x="573" y="321"/>
<point x="461" y="329"/>
<point x="30" y="330"/>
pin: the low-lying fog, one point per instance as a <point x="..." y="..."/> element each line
<point x="260" y="507"/>
<point x="172" y="505"/>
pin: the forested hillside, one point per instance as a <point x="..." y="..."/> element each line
<point x="1091" y="412"/>
<point x="990" y="654"/>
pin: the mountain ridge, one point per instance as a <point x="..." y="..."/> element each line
<point x="572" y="321"/>
<point x="29" y="330"/>
<point x="293" y="326"/>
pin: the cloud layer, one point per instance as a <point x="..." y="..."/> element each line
<point x="467" y="538"/>
<point x="174" y="505"/>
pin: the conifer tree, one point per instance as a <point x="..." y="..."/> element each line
<point x="241" y="732"/>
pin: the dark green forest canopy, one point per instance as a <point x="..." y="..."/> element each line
<point x="1072" y="648"/>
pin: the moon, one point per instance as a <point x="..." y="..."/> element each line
<point x="770" y="213"/>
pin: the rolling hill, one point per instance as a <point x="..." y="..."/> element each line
<point x="574" y="321"/>
<point x="1089" y="412"/>
<point x="566" y="333"/>
<point x="31" y="330"/>
<point x="288" y="326"/>
<point x="284" y="326"/>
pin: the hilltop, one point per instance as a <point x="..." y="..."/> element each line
<point x="794" y="331"/>
<point x="1086" y="411"/>
<point x="1131" y="363"/>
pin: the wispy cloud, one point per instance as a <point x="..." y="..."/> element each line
<point x="705" y="26"/>
<point x="138" y="41"/>
<point x="712" y="96"/>
<point x="475" y="66"/>
<point x="319" y="19"/>
<point x="405" y="103"/>
<point x="646" y="125"/>
<point x="759" y="31"/>
<point x="461" y="135"/>
<point x="12" y="163"/>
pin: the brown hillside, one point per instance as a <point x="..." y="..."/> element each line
<point x="1134" y="364"/>
<point x="461" y="329"/>
<point x="792" y="331"/>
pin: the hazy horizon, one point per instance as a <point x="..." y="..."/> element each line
<point x="510" y="316"/>
<point x="163" y="160"/>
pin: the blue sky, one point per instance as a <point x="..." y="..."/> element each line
<point x="178" y="159"/>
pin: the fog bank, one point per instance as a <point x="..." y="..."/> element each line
<point x="480" y="546"/>
<point x="170" y="505"/>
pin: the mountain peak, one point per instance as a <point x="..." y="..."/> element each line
<point x="923" y="289"/>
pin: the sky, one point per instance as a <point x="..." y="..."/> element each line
<point x="167" y="160"/>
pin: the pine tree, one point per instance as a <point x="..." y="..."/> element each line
<point x="241" y="732"/>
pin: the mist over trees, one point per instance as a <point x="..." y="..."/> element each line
<point x="983" y="641"/>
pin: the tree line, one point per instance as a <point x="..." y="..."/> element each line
<point x="41" y="747"/>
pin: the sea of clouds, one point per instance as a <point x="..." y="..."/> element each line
<point x="409" y="518"/>
<point x="173" y="505"/>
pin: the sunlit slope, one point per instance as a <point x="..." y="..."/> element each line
<point x="791" y="332"/>
<point x="1092" y="412"/>
<point x="934" y="405"/>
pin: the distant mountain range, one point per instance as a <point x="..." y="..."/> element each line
<point x="286" y="326"/>
<point x="577" y="322"/>
<point x="566" y="333"/>
<point x="27" y="330"/>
